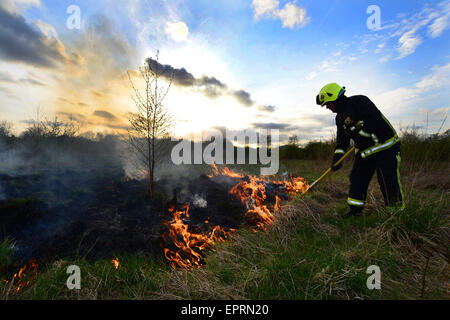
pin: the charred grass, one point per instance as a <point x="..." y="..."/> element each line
<point x="309" y="253"/>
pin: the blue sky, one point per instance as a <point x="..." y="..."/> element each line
<point x="278" y="54"/>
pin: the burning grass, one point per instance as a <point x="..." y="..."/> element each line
<point x="189" y="245"/>
<point x="306" y="251"/>
<point x="205" y="211"/>
<point x="24" y="277"/>
<point x="259" y="196"/>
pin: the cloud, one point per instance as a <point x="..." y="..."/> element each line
<point x="400" y="100"/>
<point x="6" y="77"/>
<point x="74" y="116"/>
<point x="409" y="31"/>
<point x="438" y="27"/>
<point x="290" y="15"/>
<point x="408" y="44"/>
<point x="267" y="108"/>
<point x="312" y="75"/>
<point x="265" y="7"/>
<point x="21" y="42"/>
<point x="317" y="120"/>
<point x="89" y="122"/>
<point x="104" y="114"/>
<point x="440" y="113"/>
<point x="47" y="29"/>
<point x="442" y="23"/>
<point x="101" y="80"/>
<point x="14" y="6"/>
<point x="439" y="78"/>
<point x="210" y="87"/>
<point x="177" y="31"/>
<point x="274" y="126"/>
<point x="243" y="97"/>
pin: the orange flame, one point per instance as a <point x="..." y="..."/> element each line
<point x="116" y="263"/>
<point x="251" y="192"/>
<point x="224" y="172"/>
<point x="189" y="244"/>
<point x="25" y="276"/>
<point x="277" y="205"/>
<point x="294" y="186"/>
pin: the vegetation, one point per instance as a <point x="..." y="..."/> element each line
<point x="149" y="136"/>
<point x="415" y="147"/>
<point x="309" y="253"/>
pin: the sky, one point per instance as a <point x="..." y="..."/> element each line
<point x="237" y="64"/>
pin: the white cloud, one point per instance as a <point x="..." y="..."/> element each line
<point x="177" y="31"/>
<point x="47" y="29"/>
<point x="265" y="7"/>
<point x="399" y="101"/>
<point x="437" y="21"/>
<point x="409" y="31"/>
<point x="290" y="15"/>
<point x="14" y="6"/>
<point x="384" y="59"/>
<point x="439" y="112"/>
<point x="438" y="27"/>
<point x="312" y="75"/>
<point x="442" y="22"/>
<point x="437" y="79"/>
<point x="408" y="44"/>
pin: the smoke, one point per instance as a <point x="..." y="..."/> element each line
<point x="2" y="193"/>
<point x="199" y="201"/>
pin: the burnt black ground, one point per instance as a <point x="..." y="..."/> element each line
<point x="72" y="198"/>
<point x="99" y="213"/>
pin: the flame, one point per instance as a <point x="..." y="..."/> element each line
<point x="25" y="276"/>
<point x="224" y="172"/>
<point x="277" y="205"/>
<point x="189" y="244"/>
<point x="294" y="186"/>
<point x="215" y="171"/>
<point x="252" y="194"/>
<point x="116" y="263"/>
<point x="251" y="191"/>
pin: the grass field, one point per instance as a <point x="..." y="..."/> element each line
<point x="309" y="252"/>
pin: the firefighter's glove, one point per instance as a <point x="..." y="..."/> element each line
<point x="336" y="158"/>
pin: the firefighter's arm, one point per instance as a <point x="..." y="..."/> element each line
<point x="342" y="144"/>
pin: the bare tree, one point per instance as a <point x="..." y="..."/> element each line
<point x="36" y="131"/>
<point x="293" y="140"/>
<point x="6" y="129"/>
<point x="149" y="130"/>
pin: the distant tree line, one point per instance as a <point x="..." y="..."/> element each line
<point x="415" y="147"/>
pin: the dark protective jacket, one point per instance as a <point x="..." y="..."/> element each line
<point x="360" y="120"/>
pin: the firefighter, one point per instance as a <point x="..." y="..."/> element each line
<point x="377" y="147"/>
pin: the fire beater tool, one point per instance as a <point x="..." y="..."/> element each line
<point x="331" y="169"/>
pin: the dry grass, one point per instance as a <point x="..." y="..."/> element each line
<point x="198" y="284"/>
<point x="308" y="253"/>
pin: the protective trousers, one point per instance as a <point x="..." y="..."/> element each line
<point x="387" y="165"/>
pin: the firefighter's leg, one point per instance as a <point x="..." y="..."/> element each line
<point x="388" y="174"/>
<point x="362" y="172"/>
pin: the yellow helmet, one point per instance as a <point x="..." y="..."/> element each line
<point x="331" y="92"/>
